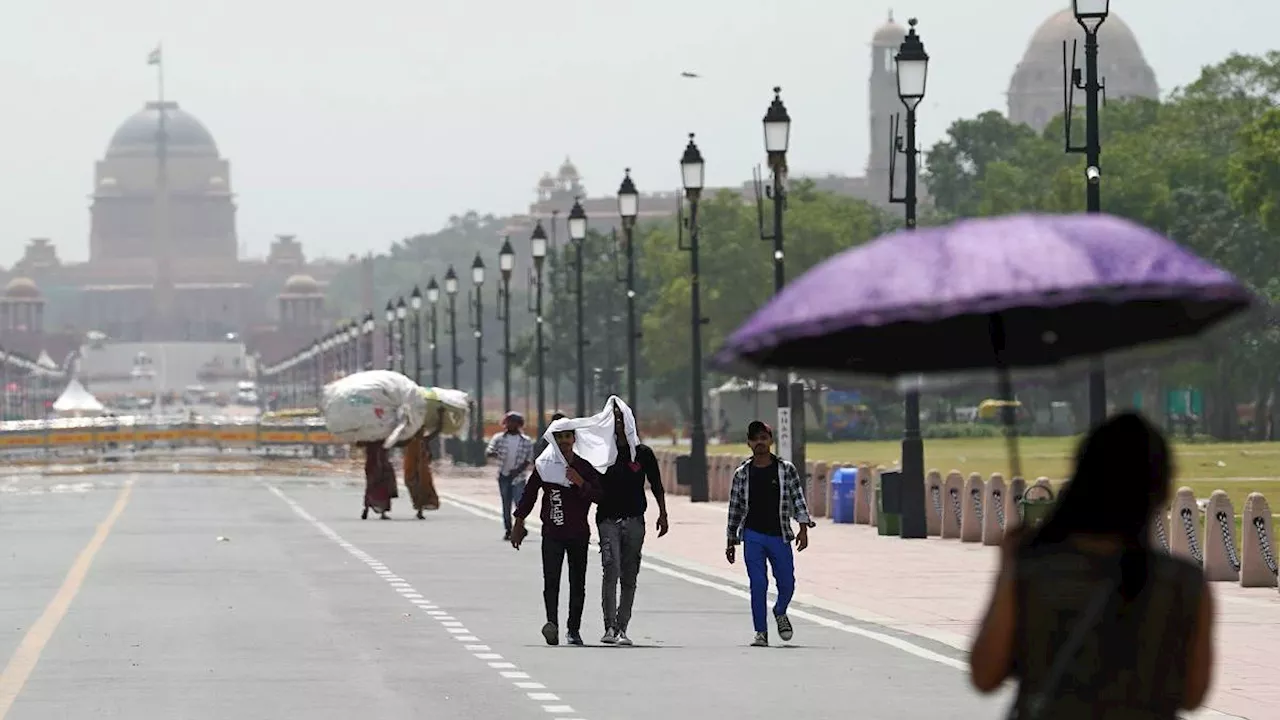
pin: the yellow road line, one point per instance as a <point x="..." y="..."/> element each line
<point x="23" y="663"/>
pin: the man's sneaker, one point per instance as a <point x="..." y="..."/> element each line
<point x="573" y="637"/>
<point x="610" y="637"/>
<point x="784" y="627"/>
<point x="762" y="640"/>
<point x="623" y="639"/>
<point x="551" y="633"/>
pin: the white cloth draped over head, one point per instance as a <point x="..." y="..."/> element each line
<point x="593" y="440"/>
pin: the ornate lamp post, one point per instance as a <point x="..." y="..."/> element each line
<point x="777" y="138"/>
<point x="1090" y="14"/>
<point x="628" y="210"/>
<point x="433" y="299"/>
<point x="402" y="313"/>
<point x="913" y="72"/>
<point x="477" y="327"/>
<point x="451" y="289"/>
<point x="693" y="174"/>
<point x="538" y="248"/>
<point x="578" y="234"/>
<point x="391" y="335"/>
<point x="368" y="329"/>
<point x="506" y="264"/>
<point x="415" y="303"/>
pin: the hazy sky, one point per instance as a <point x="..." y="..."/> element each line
<point x="355" y="124"/>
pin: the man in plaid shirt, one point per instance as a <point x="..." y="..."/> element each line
<point x="765" y="497"/>
<point x="514" y="452"/>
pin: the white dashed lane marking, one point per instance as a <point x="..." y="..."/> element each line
<point x="535" y="691"/>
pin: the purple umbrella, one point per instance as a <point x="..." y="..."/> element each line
<point x="1017" y="291"/>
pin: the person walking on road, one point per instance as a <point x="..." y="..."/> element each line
<point x="620" y="520"/>
<point x="543" y="442"/>
<point x="766" y="495"/>
<point x="1089" y="617"/>
<point x="417" y="468"/>
<point x="566" y="532"/>
<point x="514" y="452"/>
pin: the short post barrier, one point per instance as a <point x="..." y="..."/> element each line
<point x="816" y="493"/>
<point x="1184" y="527"/>
<point x="862" y="496"/>
<point x="971" y="513"/>
<point x="1257" y="553"/>
<point x="873" y="495"/>
<point x="993" y="515"/>
<point x="933" y="503"/>
<point x="1013" y="501"/>
<point x="1221" y="563"/>
<point x="953" y="504"/>
<point x="1160" y="529"/>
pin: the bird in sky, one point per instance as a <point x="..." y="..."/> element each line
<point x="687" y="74"/>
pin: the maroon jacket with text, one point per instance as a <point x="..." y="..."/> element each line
<point x="564" y="509"/>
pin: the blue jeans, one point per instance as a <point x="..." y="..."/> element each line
<point x="510" y="488"/>
<point x="757" y="550"/>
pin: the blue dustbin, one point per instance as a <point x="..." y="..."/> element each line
<point x="843" y="484"/>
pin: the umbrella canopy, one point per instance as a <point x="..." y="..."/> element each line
<point x="1016" y="291"/>
<point x="76" y="400"/>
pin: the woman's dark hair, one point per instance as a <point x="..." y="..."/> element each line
<point x="1122" y="474"/>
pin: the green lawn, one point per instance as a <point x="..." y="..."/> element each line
<point x="1237" y="468"/>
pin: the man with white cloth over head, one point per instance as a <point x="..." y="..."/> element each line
<point x="568" y="484"/>
<point x="620" y="515"/>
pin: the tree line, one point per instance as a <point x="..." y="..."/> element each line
<point x="1202" y="165"/>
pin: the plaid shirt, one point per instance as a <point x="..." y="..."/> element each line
<point x="499" y="446"/>
<point x="792" y="507"/>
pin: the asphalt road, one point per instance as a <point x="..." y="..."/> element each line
<point x="187" y="597"/>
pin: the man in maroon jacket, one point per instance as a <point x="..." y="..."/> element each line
<point x="565" y="532"/>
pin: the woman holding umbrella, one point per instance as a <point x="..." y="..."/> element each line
<point x="1084" y="602"/>
<point x="1089" y="619"/>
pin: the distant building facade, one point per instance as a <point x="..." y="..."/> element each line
<point x="1035" y="90"/>
<point x="164" y="260"/>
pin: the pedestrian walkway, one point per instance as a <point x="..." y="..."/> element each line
<point x="937" y="589"/>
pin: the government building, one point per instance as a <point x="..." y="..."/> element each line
<point x="165" y="262"/>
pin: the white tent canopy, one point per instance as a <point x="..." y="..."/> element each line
<point x="75" y="400"/>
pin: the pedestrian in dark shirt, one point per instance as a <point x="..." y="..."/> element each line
<point x="766" y="495"/>
<point x="566" y="532"/>
<point x="620" y="520"/>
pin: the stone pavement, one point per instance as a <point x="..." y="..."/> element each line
<point x="937" y="589"/>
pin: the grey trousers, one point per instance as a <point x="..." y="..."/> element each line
<point x="620" y="545"/>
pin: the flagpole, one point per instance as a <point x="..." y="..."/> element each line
<point x="161" y="250"/>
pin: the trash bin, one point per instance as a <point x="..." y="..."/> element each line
<point x="684" y="470"/>
<point x="1036" y="504"/>
<point x="889" y="503"/>
<point x="844" y="483"/>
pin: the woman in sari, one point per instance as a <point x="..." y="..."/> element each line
<point x="379" y="480"/>
<point x="417" y="468"/>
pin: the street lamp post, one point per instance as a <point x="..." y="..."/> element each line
<point x="391" y="336"/>
<point x="538" y="248"/>
<point x="1090" y="14"/>
<point x="477" y="327"/>
<point x="433" y="299"/>
<point x="353" y="347"/>
<point x="913" y="72"/>
<point x="402" y="313"/>
<point x="415" y="302"/>
<point x="693" y="172"/>
<point x="777" y="139"/>
<point x="451" y="289"/>
<point x="506" y="263"/>
<point x="578" y="234"/>
<point x="368" y="328"/>
<point x="628" y="210"/>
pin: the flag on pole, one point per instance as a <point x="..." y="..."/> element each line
<point x="153" y="58"/>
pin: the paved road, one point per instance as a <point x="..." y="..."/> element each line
<point x="303" y="610"/>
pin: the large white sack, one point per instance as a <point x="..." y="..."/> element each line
<point x="456" y="405"/>
<point x="372" y="406"/>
